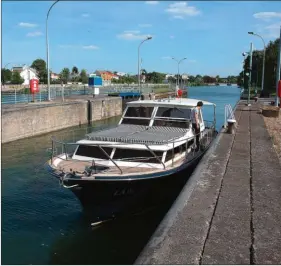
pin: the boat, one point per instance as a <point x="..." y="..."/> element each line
<point x="137" y="163"/>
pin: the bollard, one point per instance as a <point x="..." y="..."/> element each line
<point x="230" y="126"/>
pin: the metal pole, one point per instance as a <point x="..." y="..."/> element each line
<point x="148" y="38"/>
<point x="263" y="63"/>
<point x="250" y="73"/>
<point x="47" y="46"/>
<point x="278" y="69"/>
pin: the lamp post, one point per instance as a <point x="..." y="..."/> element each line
<point x="178" y="61"/>
<point x="250" y="74"/>
<point x="148" y="38"/>
<point x="278" y="69"/>
<point x="244" y="55"/>
<point x="47" y="46"/>
<point x="263" y="63"/>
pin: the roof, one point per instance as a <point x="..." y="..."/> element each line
<point x="174" y="102"/>
<point x="138" y="134"/>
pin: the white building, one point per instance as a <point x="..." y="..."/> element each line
<point x="26" y="72"/>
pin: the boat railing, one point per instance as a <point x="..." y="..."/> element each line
<point x="208" y="135"/>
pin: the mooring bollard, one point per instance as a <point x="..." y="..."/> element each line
<point x="230" y="126"/>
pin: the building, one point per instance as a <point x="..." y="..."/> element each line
<point x="55" y="76"/>
<point x="27" y="73"/>
<point x="121" y="74"/>
<point x="106" y="76"/>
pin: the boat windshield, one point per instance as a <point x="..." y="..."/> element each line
<point x="138" y="115"/>
<point x="173" y="117"/>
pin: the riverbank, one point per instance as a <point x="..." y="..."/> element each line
<point x="229" y="210"/>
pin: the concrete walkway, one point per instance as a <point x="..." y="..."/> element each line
<point x="229" y="212"/>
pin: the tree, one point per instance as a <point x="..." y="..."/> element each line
<point x="83" y="76"/>
<point x="16" y="78"/>
<point x="270" y="67"/>
<point x="143" y="72"/>
<point x="74" y="71"/>
<point x="155" y="77"/>
<point x="6" y="75"/>
<point x="40" y="66"/>
<point x="64" y="75"/>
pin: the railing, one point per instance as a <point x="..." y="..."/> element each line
<point x="228" y="114"/>
<point x="22" y="95"/>
<point x="207" y="136"/>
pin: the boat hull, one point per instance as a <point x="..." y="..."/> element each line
<point x="104" y="199"/>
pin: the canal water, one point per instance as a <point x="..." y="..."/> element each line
<point x="42" y="222"/>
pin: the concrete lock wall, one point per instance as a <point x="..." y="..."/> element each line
<point x="22" y="122"/>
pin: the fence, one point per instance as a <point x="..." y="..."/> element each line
<point x="56" y="92"/>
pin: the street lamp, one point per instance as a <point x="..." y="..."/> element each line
<point x="178" y="61"/>
<point x="148" y="38"/>
<point x="263" y="63"/>
<point x="47" y="46"/>
<point x="244" y="55"/>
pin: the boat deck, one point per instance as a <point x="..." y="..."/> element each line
<point x="79" y="167"/>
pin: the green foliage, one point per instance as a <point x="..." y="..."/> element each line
<point x="83" y="76"/>
<point x="16" y="78"/>
<point x="155" y="77"/>
<point x="6" y="75"/>
<point x="271" y="51"/>
<point x="125" y="80"/>
<point x="40" y="66"/>
<point x="75" y="70"/>
<point x="64" y="75"/>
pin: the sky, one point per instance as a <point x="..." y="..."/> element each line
<point x="93" y="35"/>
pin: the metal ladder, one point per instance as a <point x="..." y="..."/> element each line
<point x="228" y="114"/>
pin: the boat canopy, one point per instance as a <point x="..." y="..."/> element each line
<point x="169" y="102"/>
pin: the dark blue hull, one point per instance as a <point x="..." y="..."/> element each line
<point x="105" y="199"/>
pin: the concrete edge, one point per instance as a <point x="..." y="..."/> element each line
<point x="179" y="203"/>
<point x="12" y="107"/>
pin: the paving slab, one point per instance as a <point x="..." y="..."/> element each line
<point x="229" y="211"/>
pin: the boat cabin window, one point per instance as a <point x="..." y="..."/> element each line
<point x="137" y="155"/>
<point x="173" y="112"/>
<point x="138" y="116"/>
<point x="172" y="117"/>
<point x="93" y="151"/>
<point x="140" y="111"/>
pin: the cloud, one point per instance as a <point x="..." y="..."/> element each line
<point x="152" y="2"/>
<point x="34" y="34"/>
<point x="90" y="47"/>
<point x="145" y="25"/>
<point x="267" y="16"/>
<point x="178" y="17"/>
<point x="273" y="30"/>
<point x="85" y="15"/>
<point x="27" y="25"/>
<point x="132" y="35"/>
<point x="180" y="10"/>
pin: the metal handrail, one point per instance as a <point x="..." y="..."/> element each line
<point x="105" y="153"/>
<point x="146" y="145"/>
<point x="155" y="156"/>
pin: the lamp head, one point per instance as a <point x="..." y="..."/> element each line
<point x="250" y="32"/>
<point x="149" y="38"/>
